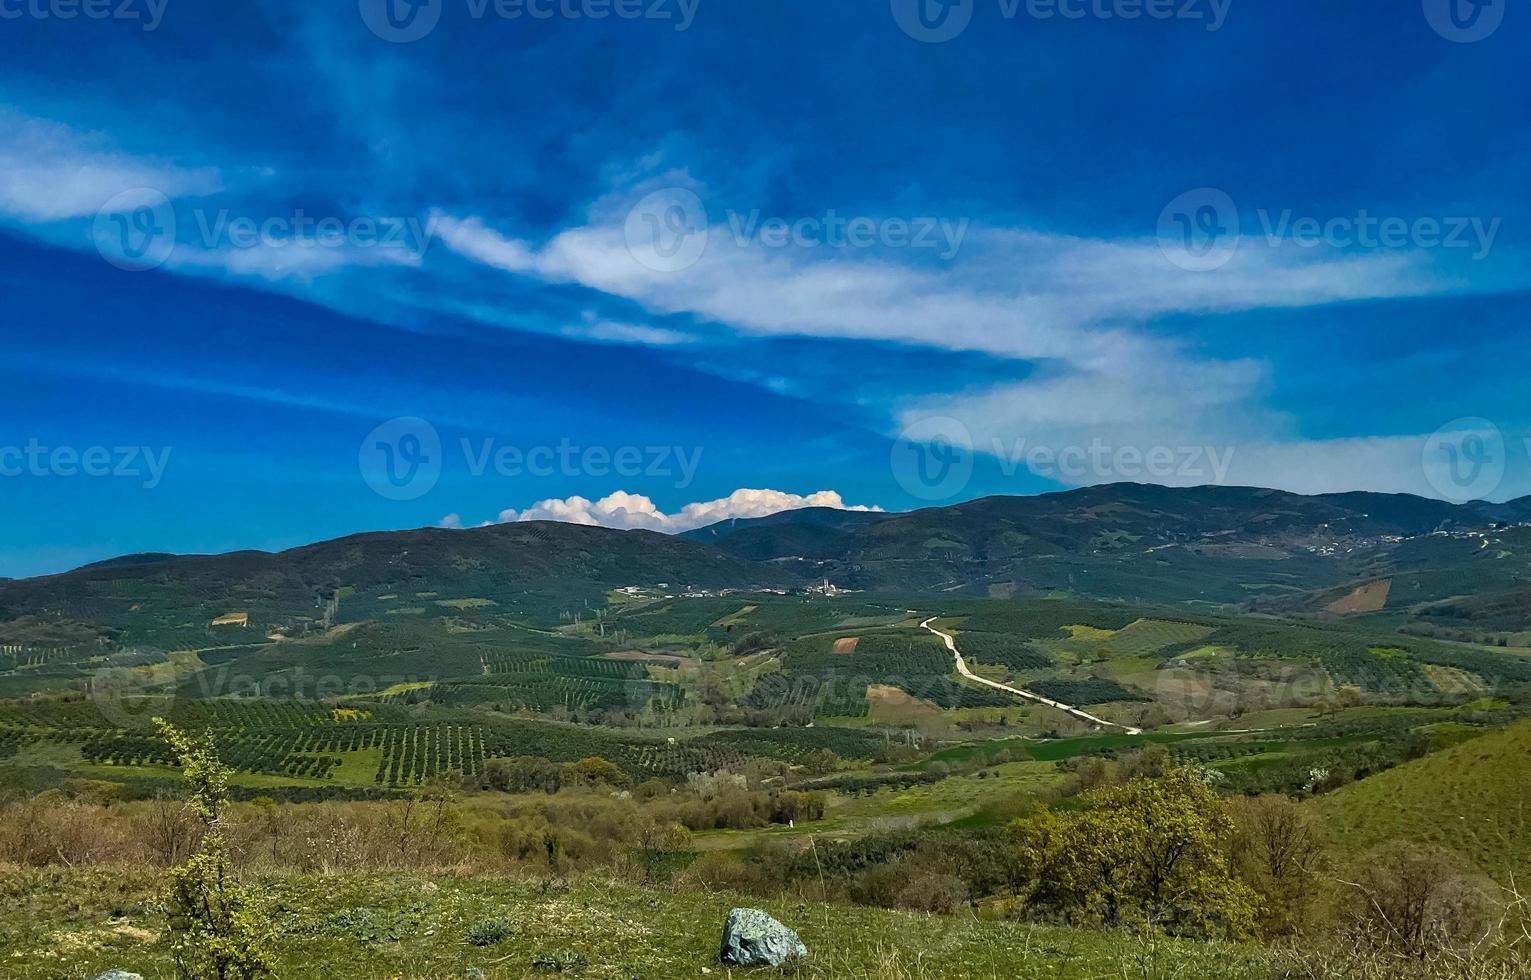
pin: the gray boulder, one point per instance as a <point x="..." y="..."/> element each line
<point x="119" y="975"/>
<point x="752" y="938"/>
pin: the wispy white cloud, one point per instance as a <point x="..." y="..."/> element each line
<point x="50" y="172"/>
<point x="630" y="511"/>
<point x="1010" y="292"/>
<point x="610" y="332"/>
<point x="1077" y="307"/>
<point x="1385" y="464"/>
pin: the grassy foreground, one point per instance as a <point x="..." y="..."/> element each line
<point x="75" y="923"/>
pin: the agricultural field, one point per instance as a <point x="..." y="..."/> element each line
<point x="380" y="703"/>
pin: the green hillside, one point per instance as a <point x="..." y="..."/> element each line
<point x="412" y="926"/>
<point x="1474" y="798"/>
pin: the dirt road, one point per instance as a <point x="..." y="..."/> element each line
<point x="962" y="668"/>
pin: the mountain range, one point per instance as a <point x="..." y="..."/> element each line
<point x="1264" y="550"/>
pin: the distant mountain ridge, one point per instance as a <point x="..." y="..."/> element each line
<point x="1264" y="549"/>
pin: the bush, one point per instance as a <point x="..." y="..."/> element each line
<point x="1152" y="852"/>
<point x="489" y="932"/>
<point x="219" y="929"/>
<point x="1415" y="901"/>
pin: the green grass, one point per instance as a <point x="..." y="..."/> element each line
<point x="955" y="794"/>
<point x="964" y="800"/>
<point x="1055" y="750"/>
<point x="1137" y="639"/>
<point x="70" y="924"/>
<point x="1474" y="798"/>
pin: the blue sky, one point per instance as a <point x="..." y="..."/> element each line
<point x="693" y="259"/>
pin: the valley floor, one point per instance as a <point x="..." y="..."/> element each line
<point x="71" y="924"/>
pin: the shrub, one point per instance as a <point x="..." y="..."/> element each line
<point x="219" y="930"/>
<point x="1415" y="901"/>
<point x="1152" y="852"/>
<point x="489" y="932"/>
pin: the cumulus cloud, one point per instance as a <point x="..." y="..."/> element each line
<point x="629" y="511"/>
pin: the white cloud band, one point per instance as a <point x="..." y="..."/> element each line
<point x="628" y="511"/>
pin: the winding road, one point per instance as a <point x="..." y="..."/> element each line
<point x="962" y="668"/>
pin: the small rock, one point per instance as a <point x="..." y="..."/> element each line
<point x="119" y="975"/>
<point x="473" y="973"/>
<point x="753" y="938"/>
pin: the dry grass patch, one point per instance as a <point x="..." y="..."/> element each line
<point x="1370" y="597"/>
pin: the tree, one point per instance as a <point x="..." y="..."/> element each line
<point x="658" y="842"/>
<point x="594" y="771"/>
<point x="1276" y="848"/>
<point x="1152" y="852"/>
<point x="219" y="929"/>
<point x="1415" y="901"/>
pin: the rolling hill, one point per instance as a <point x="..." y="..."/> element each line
<point x="546" y="564"/>
<point x="1277" y="551"/>
<point x="1473" y="798"/>
<point x="1265" y="550"/>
